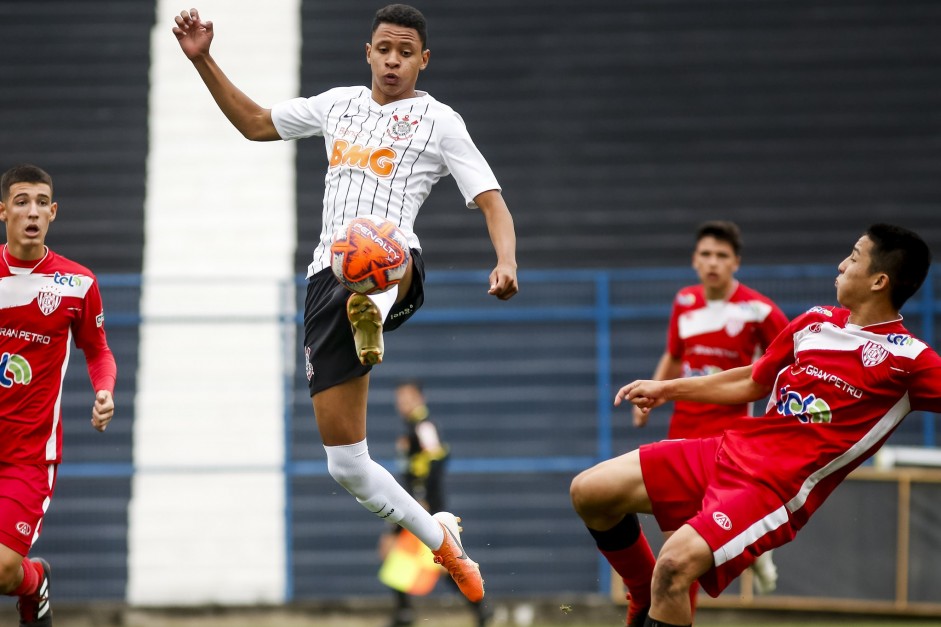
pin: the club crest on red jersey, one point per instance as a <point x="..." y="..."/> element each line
<point x="401" y="128"/>
<point x="873" y="354"/>
<point x="48" y="302"/>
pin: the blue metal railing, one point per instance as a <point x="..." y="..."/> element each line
<point x="602" y="311"/>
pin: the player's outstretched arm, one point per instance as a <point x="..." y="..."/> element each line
<point x="669" y="367"/>
<point x="195" y="37"/>
<point x="503" y="281"/>
<point x="103" y="410"/>
<point x="730" y="387"/>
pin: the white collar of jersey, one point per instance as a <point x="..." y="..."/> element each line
<point x="21" y="269"/>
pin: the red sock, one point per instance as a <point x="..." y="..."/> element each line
<point x="32" y="573"/>
<point x="635" y="566"/>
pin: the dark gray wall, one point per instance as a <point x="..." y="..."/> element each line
<point x="617" y="126"/>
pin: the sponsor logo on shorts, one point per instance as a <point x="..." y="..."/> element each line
<point x="722" y="520"/>
<point x="24" y="528"/>
<point x="407" y="311"/>
<point x="308" y="367"/>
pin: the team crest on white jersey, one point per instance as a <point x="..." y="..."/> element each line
<point x="48" y="302"/>
<point x="401" y="128"/>
<point x="873" y="354"/>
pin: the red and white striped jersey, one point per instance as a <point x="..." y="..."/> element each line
<point x="43" y="306"/>
<point x="384" y="159"/>
<point x="712" y="336"/>
<point x="839" y="391"/>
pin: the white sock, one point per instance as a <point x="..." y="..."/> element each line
<point x="377" y="490"/>
<point x="385" y="300"/>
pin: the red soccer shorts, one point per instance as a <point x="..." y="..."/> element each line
<point x="693" y="482"/>
<point x="25" y="492"/>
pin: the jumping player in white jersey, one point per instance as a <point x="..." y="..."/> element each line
<point x="46" y="302"/>
<point x="841" y="380"/>
<point x="387" y="145"/>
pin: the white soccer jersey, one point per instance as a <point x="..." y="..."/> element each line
<point x="384" y="159"/>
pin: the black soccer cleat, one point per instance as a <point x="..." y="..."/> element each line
<point x="34" y="609"/>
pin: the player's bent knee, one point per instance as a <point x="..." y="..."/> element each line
<point x="10" y="575"/>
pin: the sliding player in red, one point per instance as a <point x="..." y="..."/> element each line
<point x="841" y="380"/>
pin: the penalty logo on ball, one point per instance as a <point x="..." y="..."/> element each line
<point x="369" y="254"/>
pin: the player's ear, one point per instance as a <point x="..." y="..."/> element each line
<point x="368" y="51"/>
<point x="880" y="282"/>
<point x="53" y="209"/>
<point x="3" y="212"/>
<point x="424" y="59"/>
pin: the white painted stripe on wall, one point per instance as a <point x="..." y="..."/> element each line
<point x="219" y="243"/>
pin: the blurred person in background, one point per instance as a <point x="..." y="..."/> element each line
<point x="841" y="380"/>
<point x="388" y="144"/>
<point x="715" y="325"/>
<point x="46" y="301"/>
<point x="423" y="456"/>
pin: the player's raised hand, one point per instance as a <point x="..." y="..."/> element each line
<point x="503" y="283"/>
<point x="644" y="394"/>
<point x="103" y="410"/>
<point x="193" y="34"/>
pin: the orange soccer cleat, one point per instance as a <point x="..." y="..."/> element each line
<point x="451" y="555"/>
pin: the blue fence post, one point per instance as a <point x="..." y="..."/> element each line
<point x="288" y="321"/>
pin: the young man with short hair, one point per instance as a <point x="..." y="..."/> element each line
<point x="388" y="145"/>
<point x="46" y="301"/>
<point x="841" y="380"/>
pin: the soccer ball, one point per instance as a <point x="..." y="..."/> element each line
<point x="369" y="254"/>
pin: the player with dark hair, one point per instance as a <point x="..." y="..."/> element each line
<point x="46" y="301"/>
<point x="388" y="144"/>
<point x="714" y="325"/>
<point x="841" y="380"/>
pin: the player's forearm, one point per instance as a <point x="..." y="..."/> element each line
<point x="499" y="226"/>
<point x="252" y="121"/>
<point x="730" y="387"/>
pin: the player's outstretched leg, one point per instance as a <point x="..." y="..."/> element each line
<point x="451" y="555"/>
<point x="34" y="608"/>
<point x="366" y="321"/>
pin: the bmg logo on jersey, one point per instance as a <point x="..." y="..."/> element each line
<point x="14" y="369"/>
<point x="380" y="160"/>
